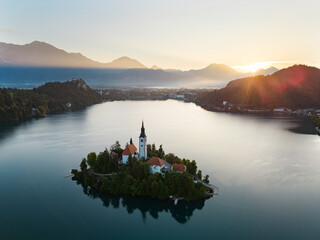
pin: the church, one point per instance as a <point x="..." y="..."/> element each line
<point x="157" y="165"/>
<point x="132" y="150"/>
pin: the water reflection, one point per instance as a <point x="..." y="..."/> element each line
<point x="182" y="212"/>
<point x="303" y="126"/>
<point x="8" y="129"/>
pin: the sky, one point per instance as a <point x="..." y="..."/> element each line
<point x="179" y="34"/>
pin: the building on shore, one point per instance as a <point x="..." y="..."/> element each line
<point x="179" y="168"/>
<point x="129" y="150"/>
<point x="156" y="164"/>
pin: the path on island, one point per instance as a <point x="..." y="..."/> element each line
<point x="208" y="185"/>
<point x="90" y="171"/>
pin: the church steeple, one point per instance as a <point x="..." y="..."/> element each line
<point x="142" y="134"/>
<point x="143" y="143"/>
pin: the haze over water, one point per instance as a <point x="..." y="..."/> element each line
<point x="268" y="176"/>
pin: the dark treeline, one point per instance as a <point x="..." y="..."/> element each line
<point x="294" y="87"/>
<point x="18" y="104"/>
<point x="315" y="120"/>
<point x="135" y="178"/>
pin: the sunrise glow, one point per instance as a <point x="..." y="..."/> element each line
<point x="253" y="67"/>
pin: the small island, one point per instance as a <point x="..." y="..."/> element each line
<point x="149" y="172"/>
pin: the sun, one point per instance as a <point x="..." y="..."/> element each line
<point x="253" y="67"/>
<point x="256" y="66"/>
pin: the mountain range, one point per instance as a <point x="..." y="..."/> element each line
<point x="41" y="54"/>
<point x="123" y="71"/>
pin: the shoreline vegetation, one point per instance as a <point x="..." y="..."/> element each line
<point x="53" y="97"/>
<point x="105" y="173"/>
<point x="195" y="96"/>
<point x="315" y="119"/>
<point x="291" y="91"/>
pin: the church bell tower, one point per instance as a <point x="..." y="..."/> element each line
<point x="143" y="143"/>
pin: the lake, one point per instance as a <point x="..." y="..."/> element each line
<point x="268" y="175"/>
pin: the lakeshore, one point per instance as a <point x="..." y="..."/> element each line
<point x="194" y="96"/>
<point x="266" y="184"/>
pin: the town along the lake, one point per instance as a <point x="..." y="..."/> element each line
<point x="149" y="172"/>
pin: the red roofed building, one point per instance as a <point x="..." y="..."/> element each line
<point x="156" y="164"/>
<point x="178" y="167"/>
<point x="130" y="150"/>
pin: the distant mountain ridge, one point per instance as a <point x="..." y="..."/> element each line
<point x="123" y="71"/>
<point x="41" y="54"/>
<point x="217" y="71"/>
<point x="267" y="71"/>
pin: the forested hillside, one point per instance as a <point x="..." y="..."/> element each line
<point x="295" y="87"/>
<point x="17" y="104"/>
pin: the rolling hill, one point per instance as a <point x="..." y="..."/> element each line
<point x="294" y="87"/>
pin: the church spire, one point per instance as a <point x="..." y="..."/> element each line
<point x="142" y="134"/>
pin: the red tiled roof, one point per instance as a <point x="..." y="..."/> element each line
<point x="113" y="154"/>
<point x="130" y="150"/>
<point x="156" y="161"/>
<point x="179" y="167"/>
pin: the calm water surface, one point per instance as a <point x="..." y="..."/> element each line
<point x="269" y="177"/>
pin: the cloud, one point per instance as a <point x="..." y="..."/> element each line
<point x="8" y="30"/>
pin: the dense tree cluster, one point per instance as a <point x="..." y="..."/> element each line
<point x="315" y="120"/>
<point x="116" y="147"/>
<point x="154" y="152"/>
<point x="191" y="165"/>
<point x="103" y="162"/>
<point x="19" y="104"/>
<point x="135" y="178"/>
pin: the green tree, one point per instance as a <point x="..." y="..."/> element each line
<point x="106" y="185"/>
<point x="92" y="159"/>
<point x="116" y="147"/>
<point x="171" y="158"/>
<point x="149" y="150"/>
<point x="154" y="151"/>
<point x="191" y="166"/>
<point x="154" y="189"/>
<point x="199" y="174"/>
<point x="161" y="152"/>
<point x="206" y="178"/>
<point x="83" y="165"/>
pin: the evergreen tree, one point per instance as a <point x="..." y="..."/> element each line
<point x="83" y="165"/>
<point x="161" y="152"/>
